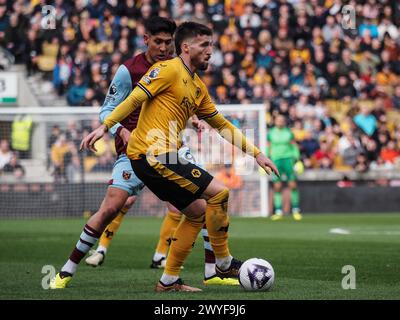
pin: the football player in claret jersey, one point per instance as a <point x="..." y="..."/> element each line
<point x="170" y="93"/>
<point x="124" y="185"/>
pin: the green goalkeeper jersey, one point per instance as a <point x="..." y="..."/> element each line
<point x="281" y="146"/>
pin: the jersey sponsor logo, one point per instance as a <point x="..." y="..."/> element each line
<point x="109" y="99"/>
<point x="198" y="92"/>
<point x="146" y="79"/>
<point x="126" y="175"/>
<point x="113" y="90"/>
<point x="162" y="65"/>
<point x="196" y="173"/>
<point x="187" y="104"/>
<point x="154" y="73"/>
<point x="184" y="81"/>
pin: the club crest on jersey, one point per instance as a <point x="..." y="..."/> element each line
<point x="196" y="173"/>
<point x="146" y="79"/>
<point x="126" y="175"/>
<point x="198" y="92"/>
<point x="154" y="73"/>
<point x="113" y="89"/>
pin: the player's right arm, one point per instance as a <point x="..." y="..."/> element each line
<point x="120" y="88"/>
<point x="130" y="104"/>
<point x="157" y="79"/>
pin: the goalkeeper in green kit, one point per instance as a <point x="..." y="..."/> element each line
<point x="283" y="151"/>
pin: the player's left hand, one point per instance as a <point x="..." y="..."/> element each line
<point x="89" y="141"/>
<point x="125" y="135"/>
<point x="267" y="164"/>
<point x="198" y="124"/>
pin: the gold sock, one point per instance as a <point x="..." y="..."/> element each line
<point x="112" y="228"/>
<point x="217" y="221"/>
<point x="182" y="243"/>
<point x="168" y="227"/>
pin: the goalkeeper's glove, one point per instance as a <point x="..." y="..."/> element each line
<point x="298" y="167"/>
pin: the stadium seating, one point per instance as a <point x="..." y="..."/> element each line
<point x="272" y="52"/>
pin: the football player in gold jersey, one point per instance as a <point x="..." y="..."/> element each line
<point x="170" y="93"/>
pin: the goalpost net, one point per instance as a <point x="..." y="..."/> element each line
<point x="45" y="175"/>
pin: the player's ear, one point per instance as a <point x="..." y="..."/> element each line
<point x="146" y="38"/>
<point x="185" y="47"/>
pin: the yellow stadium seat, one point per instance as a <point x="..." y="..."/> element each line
<point x="50" y="49"/>
<point x="48" y="59"/>
<point x="46" y="63"/>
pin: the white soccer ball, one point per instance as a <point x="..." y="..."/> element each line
<point x="256" y="275"/>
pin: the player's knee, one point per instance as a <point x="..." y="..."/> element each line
<point x="109" y="211"/>
<point x="199" y="218"/>
<point x="195" y="210"/>
<point x="221" y="197"/>
<point x="292" y="185"/>
<point x="277" y="187"/>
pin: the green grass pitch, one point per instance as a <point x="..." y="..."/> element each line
<point x="307" y="258"/>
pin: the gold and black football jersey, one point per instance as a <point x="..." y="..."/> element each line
<point x="170" y="94"/>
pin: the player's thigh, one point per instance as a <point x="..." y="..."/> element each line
<point x="286" y="170"/>
<point x="196" y="209"/>
<point x="114" y="199"/>
<point x="291" y="175"/>
<point x="124" y="178"/>
<point x="179" y="184"/>
<point x="213" y="188"/>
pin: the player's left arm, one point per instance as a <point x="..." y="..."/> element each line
<point x="157" y="79"/>
<point x="295" y="150"/>
<point x="197" y="123"/>
<point x="295" y="147"/>
<point x="229" y="132"/>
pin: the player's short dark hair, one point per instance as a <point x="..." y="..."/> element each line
<point x="156" y="25"/>
<point x="189" y="30"/>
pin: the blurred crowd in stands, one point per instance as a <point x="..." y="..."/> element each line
<point x="338" y="86"/>
<point x="65" y="161"/>
<point x="9" y="162"/>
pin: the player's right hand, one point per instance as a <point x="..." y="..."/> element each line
<point x="89" y="141"/>
<point x="267" y="164"/>
<point x="124" y="134"/>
